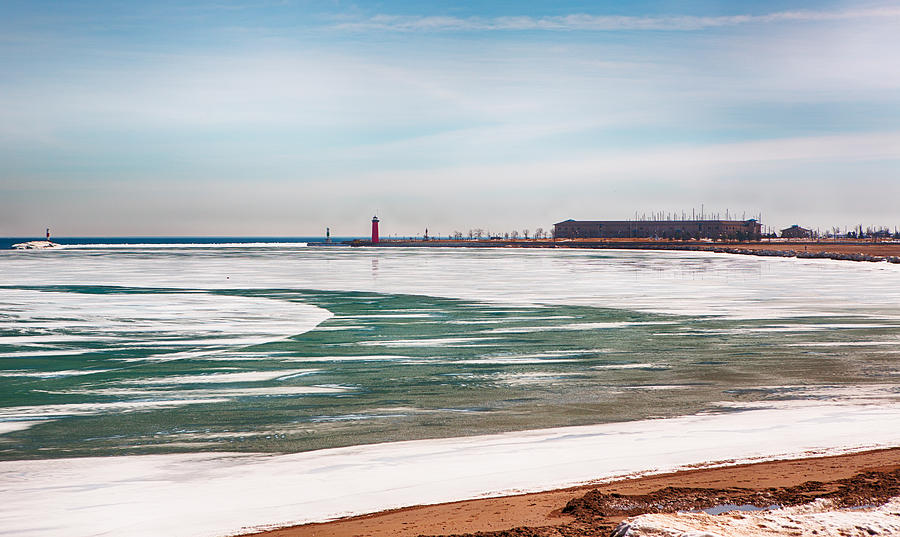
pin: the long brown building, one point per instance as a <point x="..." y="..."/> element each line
<point x="666" y="229"/>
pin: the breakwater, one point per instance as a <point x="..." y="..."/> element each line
<point x="859" y="256"/>
<point x="839" y="256"/>
<point x="819" y="249"/>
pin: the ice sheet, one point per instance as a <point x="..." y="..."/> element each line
<point x="219" y="494"/>
<point x="200" y="321"/>
<point x="689" y="283"/>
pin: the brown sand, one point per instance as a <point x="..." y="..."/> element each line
<point x="544" y="508"/>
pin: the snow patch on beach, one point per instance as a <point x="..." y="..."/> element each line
<point x="210" y="495"/>
<point x="820" y="518"/>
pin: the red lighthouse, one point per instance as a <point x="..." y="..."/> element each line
<point x="374" y="230"/>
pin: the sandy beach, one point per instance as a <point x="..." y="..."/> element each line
<point x="524" y="514"/>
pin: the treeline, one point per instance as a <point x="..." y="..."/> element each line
<point x="479" y="234"/>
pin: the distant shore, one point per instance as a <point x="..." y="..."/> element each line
<point x="846" y="250"/>
<point x="583" y="511"/>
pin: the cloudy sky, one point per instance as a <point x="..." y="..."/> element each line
<point x="237" y="117"/>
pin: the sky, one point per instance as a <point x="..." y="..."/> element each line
<point x="282" y="118"/>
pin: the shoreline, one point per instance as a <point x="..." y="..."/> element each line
<point x="210" y="495"/>
<point x="836" y="250"/>
<point x="526" y="514"/>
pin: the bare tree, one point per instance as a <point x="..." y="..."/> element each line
<point x="514" y="235"/>
<point x="539" y="233"/>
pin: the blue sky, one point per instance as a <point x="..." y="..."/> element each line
<point x="284" y="117"/>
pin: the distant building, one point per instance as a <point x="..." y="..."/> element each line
<point x="666" y="229"/>
<point x="796" y="232"/>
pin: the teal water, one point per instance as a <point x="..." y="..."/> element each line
<point x="128" y="351"/>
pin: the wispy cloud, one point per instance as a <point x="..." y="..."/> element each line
<point x="693" y="165"/>
<point x="603" y="23"/>
<point x="791" y="112"/>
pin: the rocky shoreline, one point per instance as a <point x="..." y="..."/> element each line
<point x="599" y="513"/>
